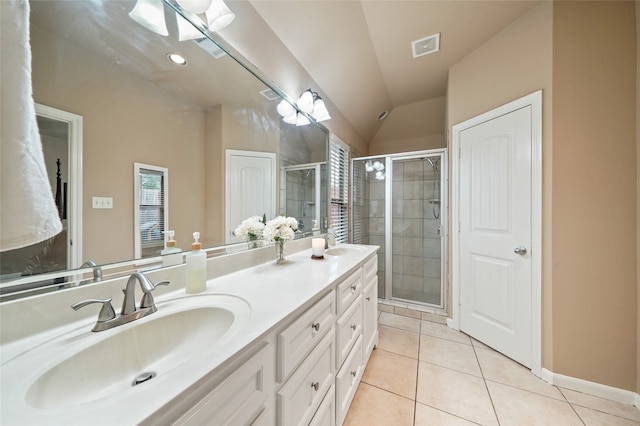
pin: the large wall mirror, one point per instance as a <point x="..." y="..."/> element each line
<point x="90" y="59"/>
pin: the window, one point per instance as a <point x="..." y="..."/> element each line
<point x="339" y="188"/>
<point x="151" y="210"/>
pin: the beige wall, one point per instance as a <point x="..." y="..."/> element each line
<point x="638" y="188"/>
<point x="265" y="50"/>
<point x="126" y="120"/>
<point x="582" y="55"/>
<point x="412" y="127"/>
<point x="594" y="194"/>
<point x="514" y="63"/>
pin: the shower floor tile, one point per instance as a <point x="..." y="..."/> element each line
<point x="457" y="380"/>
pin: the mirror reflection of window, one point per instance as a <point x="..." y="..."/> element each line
<point x="151" y="209"/>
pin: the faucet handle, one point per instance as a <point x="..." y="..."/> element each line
<point x="106" y="313"/>
<point x="147" y="298"/>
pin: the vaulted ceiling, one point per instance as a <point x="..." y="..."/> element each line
<point x="359" y="51"/>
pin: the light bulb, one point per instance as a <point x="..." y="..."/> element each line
<point x="285" y="109"/>
<point x="195" y="6"/>
<point x="150" y="14"/>
<point x="305" y="102"/>
<point x="219" y="15"/>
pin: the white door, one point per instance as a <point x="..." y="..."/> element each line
<point x="250" y="187"/>
<point x="495" y="233"/>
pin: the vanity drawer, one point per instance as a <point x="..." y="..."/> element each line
<point x="242" y="398"/>
<point x="299" y="338"/>
<point x="326" y="414"/>
<point x="348" y="290"/>
<point x="348" y="328"/>
<point x="347" y="381"/>
<point x="301" y="395"/>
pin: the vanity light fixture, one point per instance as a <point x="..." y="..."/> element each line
<point x="376" y="166"/>
<point x="150" y="14"/>
<point x="214" y="14"/>
<point x="310" y="103"/>
<point x="177" y="59"/>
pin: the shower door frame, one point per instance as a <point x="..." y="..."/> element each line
<point x="388" y="238"/>
<point x="317" y="169"/>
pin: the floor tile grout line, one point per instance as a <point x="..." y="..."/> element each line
<point x="484" y="380"/>
<point x="415" y="397"/>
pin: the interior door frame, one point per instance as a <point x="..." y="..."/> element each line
<point x="74" y="157"/>
<point x="535" y="101"/>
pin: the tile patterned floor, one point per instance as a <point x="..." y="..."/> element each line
<point x="424" y="373"/>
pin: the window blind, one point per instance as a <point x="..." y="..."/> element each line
<point x="152" y="209"/>
<point x="339" y="188"/>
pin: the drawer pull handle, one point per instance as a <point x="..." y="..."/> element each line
<point x="316" y="326"/>
<point x="353" y="326"/>
<point x="353" y="287"/>
<point x="353" y="373"/>
<point x="315" y="385"/>
<point x="368" y="299"/>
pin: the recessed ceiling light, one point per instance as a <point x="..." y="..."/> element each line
<point x="177" y="59"/>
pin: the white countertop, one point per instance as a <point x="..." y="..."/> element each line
<point x="274" y="293"/>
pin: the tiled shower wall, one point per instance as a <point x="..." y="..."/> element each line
<point x="416" y="243"/>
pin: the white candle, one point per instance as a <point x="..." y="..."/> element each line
<point x="317" y="247"/>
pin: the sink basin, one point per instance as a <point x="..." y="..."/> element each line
<point x="134" y="355"/>
<point x="344" y="250"/>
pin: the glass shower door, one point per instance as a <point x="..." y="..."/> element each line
<point x="416" y="225"/>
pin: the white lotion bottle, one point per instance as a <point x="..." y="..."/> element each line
<point x="196" y="267"/>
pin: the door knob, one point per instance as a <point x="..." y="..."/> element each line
<point x="521" y="250"/>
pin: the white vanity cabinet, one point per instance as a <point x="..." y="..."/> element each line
<point x="356" y="334"/>
<point x="370" y="307"/>
<point x="243" y="398"/>
<point x="310" y="365"/>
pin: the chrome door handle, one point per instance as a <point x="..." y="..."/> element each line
<point x="521" y="250"/>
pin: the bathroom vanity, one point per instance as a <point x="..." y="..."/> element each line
<point x="267" y="344"/>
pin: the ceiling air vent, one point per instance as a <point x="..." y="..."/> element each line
<point x="270" y="94"/>
<point x="426" y="45"/>
<point x="210" y="47"/>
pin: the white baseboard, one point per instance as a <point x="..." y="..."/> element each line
<point x="591" y="388"/>
<point x="451" y="324"/>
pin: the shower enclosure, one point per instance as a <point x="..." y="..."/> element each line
<point x="301" y="185"/>
<point x="398" y="203"/>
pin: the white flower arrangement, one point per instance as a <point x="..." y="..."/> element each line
<point x="280" y="229"/>
<point x="252" y="227"/>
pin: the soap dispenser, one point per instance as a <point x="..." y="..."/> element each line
<point x="196" y="276"/>
<point x="171" y="255"/>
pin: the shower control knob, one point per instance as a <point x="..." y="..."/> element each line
<point x="521" y="250"/>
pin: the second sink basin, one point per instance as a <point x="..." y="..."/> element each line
<point x="136" y="353"/>
<point x="344" y="250"/>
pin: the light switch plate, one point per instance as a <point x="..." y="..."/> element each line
<point x="102" y="202"/>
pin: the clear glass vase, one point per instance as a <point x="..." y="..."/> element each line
<point x="280" y="252"/>
<point x="253" y="242"/>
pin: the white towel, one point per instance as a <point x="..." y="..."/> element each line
<point x="27" y="209"/>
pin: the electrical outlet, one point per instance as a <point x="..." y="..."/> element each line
<point x="102" y="202"/>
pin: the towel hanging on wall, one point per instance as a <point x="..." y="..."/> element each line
<point x="28" y="213"/>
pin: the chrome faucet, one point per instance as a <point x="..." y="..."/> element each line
<point x="326" y="239"/>
<point x="97" y="271"/>
<point x="107" y="317"/>
<point x="129" y="302"/>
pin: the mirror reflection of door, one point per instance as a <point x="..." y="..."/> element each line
<point x="250" y="187"/>
<point x="61" y="136"/>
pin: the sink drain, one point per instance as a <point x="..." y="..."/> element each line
<point x="144" y="377"/>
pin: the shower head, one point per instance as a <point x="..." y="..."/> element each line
<point x="434" y="163"/>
